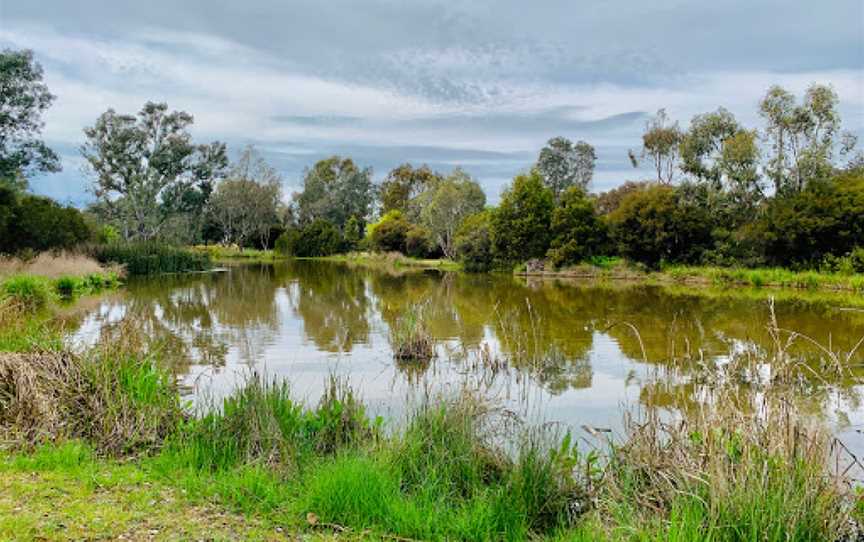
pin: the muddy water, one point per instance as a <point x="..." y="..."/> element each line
<point x="574" y="353"/>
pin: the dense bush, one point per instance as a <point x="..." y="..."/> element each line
<point x="390" y="233"/>
<point x="474" y="243"/>
<point x="577" y="231"/>
<point x="319" y="238"/>
<point x="419" y="243"/>
<point x="151" y="258"/>
<point x="654" y="225"/>
<point x="521" y="223"/>
<point x="824" y="218"/>
<point x="37" y="223"/>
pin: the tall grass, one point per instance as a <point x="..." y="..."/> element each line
<point x="151" y="258"/>
<point x="409" y="337"/>
<point x="53" y="265"/>
<point x="120" y="401"/>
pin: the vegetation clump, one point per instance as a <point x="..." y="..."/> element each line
<point x="410" y="339"/>
<point x="151" y="258"/>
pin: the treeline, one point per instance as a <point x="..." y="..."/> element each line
<point x="790" y="193"/>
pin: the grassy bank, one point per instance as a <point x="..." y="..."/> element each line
<point x="617" y="269"/>
<point x="390" y="260"/>
<point x="109" y="425"/>
<point x="233" y="254"/>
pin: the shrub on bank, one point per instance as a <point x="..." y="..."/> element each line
<point x="473" y="243"/>
<point x="319" y="238"/>
<point x="151" y="258"/>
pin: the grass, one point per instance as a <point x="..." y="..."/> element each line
<point x="390" y="260"/>
<point x="410" y="339"/>
<point x="54" y="265"/>
<point x="764" y="277"/>
<point x="108" y="426"/>
<point x="65" y="491"/>
<point x="150" y="258"/>
<point x="228" y="254"/>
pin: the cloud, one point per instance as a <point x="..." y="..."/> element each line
<point x="481" y="83"/>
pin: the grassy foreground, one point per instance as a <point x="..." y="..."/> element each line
<point x="100" y="443"/>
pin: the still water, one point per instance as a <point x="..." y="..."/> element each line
<point x="568" y="352"/>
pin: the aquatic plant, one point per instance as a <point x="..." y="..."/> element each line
<point x="409" y="337"/>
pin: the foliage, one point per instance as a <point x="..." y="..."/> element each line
<point x="521" y="222"/>
<point x="660" y="144"/>
<point x="319" y="238"/>
<point x="824" y="218"/>
<point x="577" y="231"/>
<point x="449" y="202"/>
<point x="23" y="100"/>
<point x="151" y="258"/>
<point x="37" y="224"/>
<point x="653" y="225"/>
<point x="144" y="167"/>
<point x="473" y="243"/>
<point x="30" y="292"/>
<point x="246" y="204"/>
<point x="802" y="137"/>
<point x="717" y="150"/>
<point x="335" y="190"/>
<point x="564" y="164"/>
<point x="402" y="186"/>
<point x="390" y="233"/>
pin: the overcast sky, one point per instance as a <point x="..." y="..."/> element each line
<point x="481" y="83"/>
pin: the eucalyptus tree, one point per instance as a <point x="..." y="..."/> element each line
<point x="660" y="143"/>
<point x="246" y="205"/>
<point x="24" y="97"/>
<point x="802" y="138"/>
<point x="448" y="204"/>
<point x="143" y="164"/>
<point x="563" y="164"/>
<point x="335" y="190"/>
<point x="717" y="150"/>
<point x="402" y="186"/>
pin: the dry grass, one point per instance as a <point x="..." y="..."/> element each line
<point x="53" y="265"/>
<point x="114" y="397"/>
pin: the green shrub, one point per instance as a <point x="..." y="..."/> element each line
<point x="577" y="231"/>
<point x="320" y="238"/>
<point x="390" y="233"/>
<point x="419" y="243"/>
<point x="473" y="243"/>
<point x="521" y="223"/>
<point x="30" y="292"/>
<point x="653" y="225"/>
<point x="151" y="258"/>
<point x="38" y="223"/>
<point x="68" y="287"/>
<point x="802" y="228"/>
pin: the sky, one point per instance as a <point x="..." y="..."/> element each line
<point x="480" y="84"/>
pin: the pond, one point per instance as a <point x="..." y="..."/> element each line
<point x="570" y="352"/>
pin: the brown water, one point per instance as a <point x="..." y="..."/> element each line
<point x="575" y="353"/>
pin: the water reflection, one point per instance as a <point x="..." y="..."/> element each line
<point x="579" y="350"/>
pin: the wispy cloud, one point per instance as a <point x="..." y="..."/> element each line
<point x="483" y="84"/>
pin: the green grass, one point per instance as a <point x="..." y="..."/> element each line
<point x="108" y="427"/>
<point x="610" y="268"/>
<point x="220" y="253"/>
<point x="389" y="261"/>
<point x="151" y="258"/>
